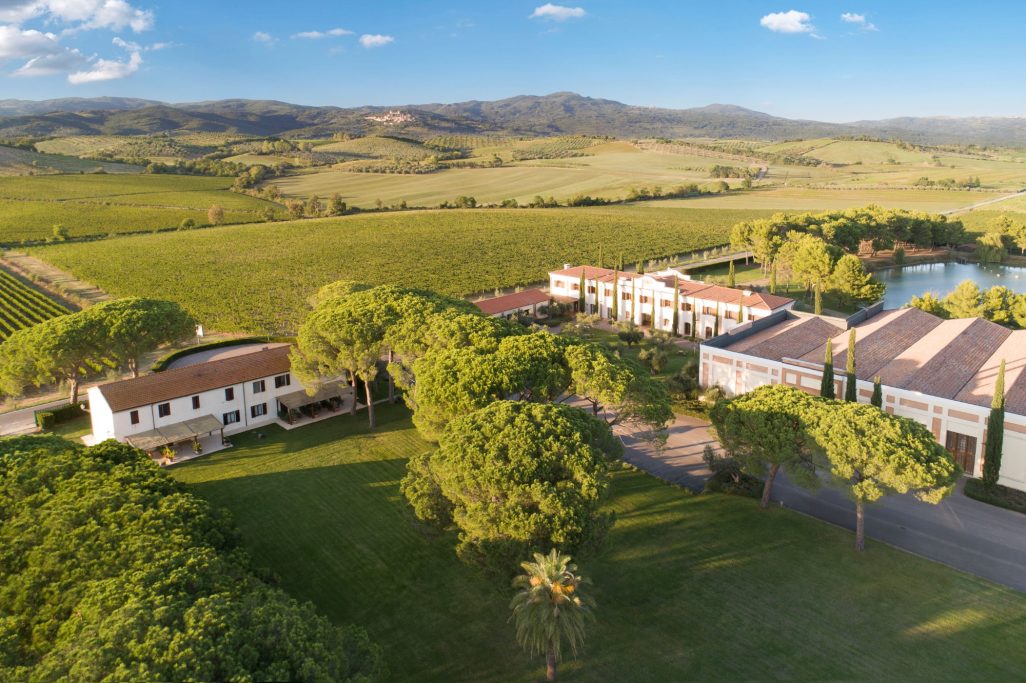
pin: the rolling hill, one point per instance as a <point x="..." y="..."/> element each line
<point x="561" y="113"/>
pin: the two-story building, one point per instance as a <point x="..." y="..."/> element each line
<point x="228" y="395"/>
<point x="938" y="372"/>
<point x="704" y="310"/>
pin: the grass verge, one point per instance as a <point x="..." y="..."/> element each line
<point x="689" y="587"/>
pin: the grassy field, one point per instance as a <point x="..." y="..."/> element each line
<point x="257" y="278"/>
<point x="810" y="199"/>
<point x="688" y="587"/>
<point x="16" y="162"/>
<point x="610" y="171"/>
<point x="106" y="204"/>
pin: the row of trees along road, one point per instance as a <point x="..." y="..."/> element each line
<point x="111" y="570"/>
<point x="821" y="249"/>
<point x="68" y="348"/>
<point x="863" y="449"/>
<point x="517" y="469"/>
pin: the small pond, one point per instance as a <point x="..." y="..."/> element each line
<point x="940" y="278"/>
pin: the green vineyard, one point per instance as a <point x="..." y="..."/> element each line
<point x="21" y="306"/>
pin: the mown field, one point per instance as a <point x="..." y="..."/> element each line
<point x="810" y="199"/>
<point x="107" y="204"/>
<point x="21" y="306"/>
<point x="258" y="277"/>
<point x="688" y="587"/>
<point x="608" y="175"/>
<point x="14" y="162"/>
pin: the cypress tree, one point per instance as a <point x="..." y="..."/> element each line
<point x="818" y="306"/>
<point x="995" y="433"/>
<point x="616" y="296"/>
<point x="634" y="300"/>
<point x="730" y="275"/>
<point x="598" y="299"/>
<point x="850" y="381"/>
<point x="676" y="307"/>
<point x="600" y="260"/>
<point x="716" y="322"/>
<point x="877" y="399"/>
<point x="640" y="268"/>
<point x="580" y="294"/>
<point x="773" y="278"/>
<point x="694" y="323"/>
<point x="653" y="309"/>
<point x="826" y="389"/>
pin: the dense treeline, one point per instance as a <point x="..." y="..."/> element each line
<point x="111" y="570"/>
<point x="869" y="228"/>
<point x="1001" y="237"/>
<point x="69" y="348"/>
<point x="998" y="304"/>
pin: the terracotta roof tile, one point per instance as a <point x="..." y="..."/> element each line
<point x="769" y="302"/>
<point x="790" y="339"/>
<point x="512" y="302"/>
<point x="194" y="379"/>
<point x="980" y="389"/>
<point x="955" y="365"/>
<point x="879" y="340"/>
<point x="590" y="272"/>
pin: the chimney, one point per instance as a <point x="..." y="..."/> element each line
<point x="747" y="292"/>
<point x="567" y="266"/>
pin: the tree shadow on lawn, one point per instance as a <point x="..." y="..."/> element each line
<point x="342" y="537"/>
<point x="687" y="586"/>
<point x="712" y="587"/>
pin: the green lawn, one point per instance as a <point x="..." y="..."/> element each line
<point x="688" y="587"/>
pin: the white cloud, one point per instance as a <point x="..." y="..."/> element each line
<point x="369" y="40"/>
<point x="15" y="43"/>
<point x="262" y="37"/>
<point x="115" y="15"/>
<point x="859" y="19"/>
<point x="49" y="65"/>
<point x="107" y="70"/>
<point x="317" y="35"/>
<point x="791" y="21"/>
<point x="44" y="54"/>
<point x="557" y="12"/>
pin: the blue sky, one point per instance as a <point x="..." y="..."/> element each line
<point x="833" y="61"/>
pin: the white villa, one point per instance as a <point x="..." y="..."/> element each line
<point x="705" y="310"/>
<point x="204" y="400"/>
<point x="940" y="373"/>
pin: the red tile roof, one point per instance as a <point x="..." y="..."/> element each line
<point x="910" y="349"/>
<point x="194" y="379"/>
<point x="512" y="302"/>
<point x="590" y="272"/>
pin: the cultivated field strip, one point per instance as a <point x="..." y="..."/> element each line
<point x="21" y="306"/>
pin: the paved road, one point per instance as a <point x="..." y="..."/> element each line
<point x="963" y="533"/>
<point x="23" y="421"/>
<point x="219" y="354"/>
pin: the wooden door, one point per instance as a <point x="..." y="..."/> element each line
<point x="963" y="448"/>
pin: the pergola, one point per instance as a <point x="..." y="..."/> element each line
<point x="176" y="433"/>
<point x="297" y="400"/>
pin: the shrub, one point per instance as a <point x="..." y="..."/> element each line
<point x="45" y="420"/>
<point x="1000" y="496"/>
<point x="899" y="256"/>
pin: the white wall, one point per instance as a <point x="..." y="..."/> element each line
<point x="119" y="425"/>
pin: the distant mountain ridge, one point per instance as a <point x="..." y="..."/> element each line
<point x="562" y="113"/>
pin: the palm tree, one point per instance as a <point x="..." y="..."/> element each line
<point x="549" y="609"/>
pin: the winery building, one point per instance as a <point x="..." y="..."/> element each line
<point x="938" y="372"/>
